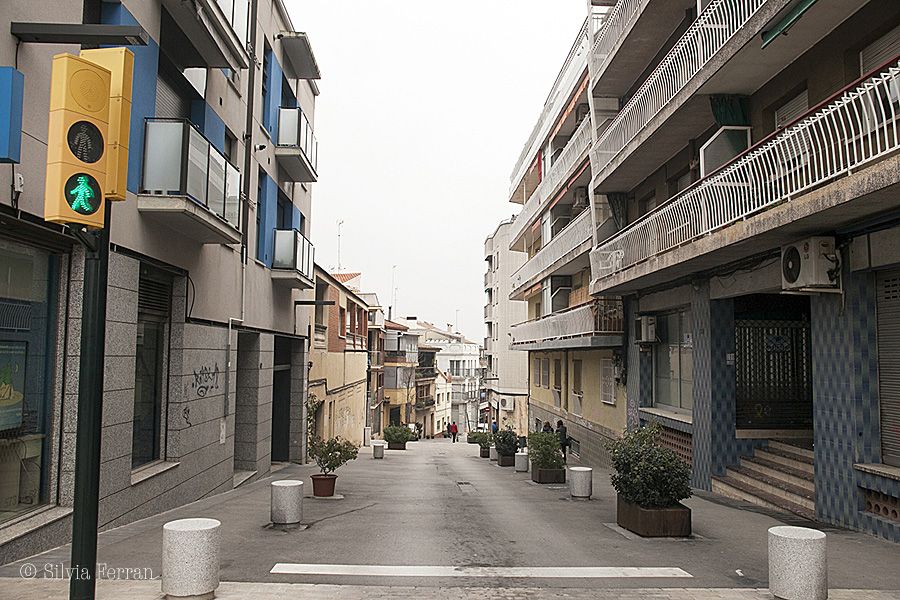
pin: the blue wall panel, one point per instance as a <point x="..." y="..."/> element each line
<point x="210" y="123"/>
<point x="267" y="206"/>
<point x="12" y="89"/>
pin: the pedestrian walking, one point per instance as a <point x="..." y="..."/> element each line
<point x="454" y="431"/>
<point x="494" y="427"/>
<point x="548" y="428"/>
<point x="563" y="435"/>
<point x="448" y="430"/>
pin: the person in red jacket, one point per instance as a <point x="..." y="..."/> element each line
<point x="454" y="431"/>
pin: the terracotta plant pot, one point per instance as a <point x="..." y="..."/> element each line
<point x="323" y="485"/>
<point x="547" y="475"/>
<point x="506" y="461"/>
<point x="396" y="445"/>
<point x="673" y="521"/>
<point x="485" y="453"/>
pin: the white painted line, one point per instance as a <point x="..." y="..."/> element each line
<point x="496" y="572"/>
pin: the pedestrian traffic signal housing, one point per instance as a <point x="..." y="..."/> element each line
<point x="76" y="142"/>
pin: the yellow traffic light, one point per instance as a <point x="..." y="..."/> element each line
<point x="120" y="63"/>
<point x="76" y="142"/>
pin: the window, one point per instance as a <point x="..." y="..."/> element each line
<point x="880" y="51"/>
<point x="154" y="301"/>
<point x="577" y="389"/>
<point x="557" y="374"/>
<point x="260" y="221"/>
<point x="266" y="85"/>
<point x="607" y="381"/>
<point x="285" y="212"/>
<point x="545" y="372"/>
<point x="536" y="375"/>
<point x="791" y="110"/>
<point x="673" y="364"/>
<point x="230" y="147"/>
<point x="342" y="327"/>
<point x="574" y="446"/>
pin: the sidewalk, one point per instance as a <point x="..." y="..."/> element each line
<point x="439" y="505"/>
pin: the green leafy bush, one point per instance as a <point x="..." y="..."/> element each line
<point x="506" y="443"/>
<point x="647" y="473"/>
<point x="484" y="440"/>
<point x="544" y="451"/>
<point x="397" y="434"/>
<point x="332" y="454"/>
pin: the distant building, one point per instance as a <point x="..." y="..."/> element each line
<point x="375" y="387"/>
<point x="401" y="357"/>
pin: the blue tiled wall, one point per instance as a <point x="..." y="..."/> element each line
<point x="845" y="406"/>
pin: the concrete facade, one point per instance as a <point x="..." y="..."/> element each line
<point x="232" y="346"/>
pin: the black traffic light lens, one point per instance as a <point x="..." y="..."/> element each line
<point x="83" y="194"/>
<point x="85" y="141"/>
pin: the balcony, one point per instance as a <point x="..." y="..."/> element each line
<point x="210" y="33"/>
<point x="562" y="170"/>
<point x="292" y="264"/>
<point x="573" y="71"/>
<point x="401" y="357"/>
<point x="426" y="372"/>
<point x="561" y="251"/>
<point x="424" y="402"/>
<point x="597" y="324"/>
<point x="187" y="185"/>
<point x="297" y="149"/>
<point x="487" y="280"/>
<point x="376" y="359"/>
<point x="641" y="26"/>
<point x="296" y="46"/>
<point x="775" y="192"/>
<point x="488" y="312"/>
<point x="354" y="341"/>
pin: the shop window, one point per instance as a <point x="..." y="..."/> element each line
<point x="673" y="363"/>
<point x="154" y="302"/>
<point x="27" y="334"/>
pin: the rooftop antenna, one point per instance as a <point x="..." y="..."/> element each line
<point x="339" y="223"/>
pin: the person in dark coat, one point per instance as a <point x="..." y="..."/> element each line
<point x="563" y="435"/>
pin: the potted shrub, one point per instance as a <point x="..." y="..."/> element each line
<point x="397" y="436"/>
<point x="484" y="443"/>
<point x="506" y="444"/>
<point x="651" y="480"/>
<point x="547" y="462"/>
<point x="472" y="437"/>
<point x="329" y="455"/>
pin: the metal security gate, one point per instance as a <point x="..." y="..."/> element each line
<point x="888" y="309"/>
<point x="773" y="387"/>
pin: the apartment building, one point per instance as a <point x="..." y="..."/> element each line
<point x="339" y="371"/>
<point x="426" y="390"/>
<point x="206" y="351"/>
<point x="375" y="385"/>
<point x="744" y="157"/>
<point x="505" y="380"/>
<point x="460" y="358"/>
<point x="573" y="341"/>
<point x="401" y="358"/>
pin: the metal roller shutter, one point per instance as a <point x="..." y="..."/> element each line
<point x="880" y="51"/>
<point x="170" y="101"/>
<point x="888" y="308"/>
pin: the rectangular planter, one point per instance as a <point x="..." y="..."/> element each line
<point x="547" y="475"/>
<point x="674" y="521"/>
<point x="396" y="446"/>
<point x="484" y="452"/>
<point x="506" y="461"/>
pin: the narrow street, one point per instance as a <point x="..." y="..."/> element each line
<point x="487" y="531"/>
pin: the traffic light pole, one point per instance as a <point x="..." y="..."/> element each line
<point x="82" y="582"/>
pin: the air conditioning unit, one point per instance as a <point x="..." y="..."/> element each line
<point x="809" y="263"/>
<point x="645" y="329"/>
<point x="507" y="404"/>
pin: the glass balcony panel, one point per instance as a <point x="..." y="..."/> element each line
<point x="197" y="166"/>
<point x="216" y="189"/>
<point x="285" y="254"/>
<point x="288" y="126"/>
<point x="162" y="156"/>
<point x="232" y="195"/>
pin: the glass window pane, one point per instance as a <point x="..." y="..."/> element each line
<point x="162" y="157"/>
<point x="147" y="391"/>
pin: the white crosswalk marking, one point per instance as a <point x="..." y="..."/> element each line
<point x="494" y="572"/>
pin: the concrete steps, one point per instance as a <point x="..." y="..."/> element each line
<point x="778" y="477"/>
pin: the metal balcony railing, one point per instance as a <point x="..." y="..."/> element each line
<point x="571" y="72"/>
<point x="598" y="317"/>
<point x="356" y="341"/>
<point x="613" y="27"/>
<point x="857" y="126"/>
<point x="704" y="38"/>
<point x="575" y="234"/>
<point x="376" y="358"/>
<point x="293" y="252"/>
<point x="294" y="130"/>
<point x="424" y="402"/>
<point x="180" y="161"/>
<point x="572" y="155"/>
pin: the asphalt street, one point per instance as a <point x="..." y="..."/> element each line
<point x="438" y="505"/>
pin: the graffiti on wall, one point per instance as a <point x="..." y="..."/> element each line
<point x="205" y="380"/>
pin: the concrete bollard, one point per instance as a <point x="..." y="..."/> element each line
<point x="367" y="436"/>
<point x="190" y="560"/>
<point x="798" y="568"/>
<point x="287" y="502"/>
<point x="377" y="449"/>
<point x="493" y="453"/>
<point x="521" y="462"/>
<point x="581" y="480"/>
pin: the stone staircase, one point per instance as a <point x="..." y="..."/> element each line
<point x="779" y="476"/>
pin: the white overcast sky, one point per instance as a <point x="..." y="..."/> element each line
<point x="424" y="109"/>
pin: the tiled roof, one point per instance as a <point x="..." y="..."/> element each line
<point x="345" y="277"/>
